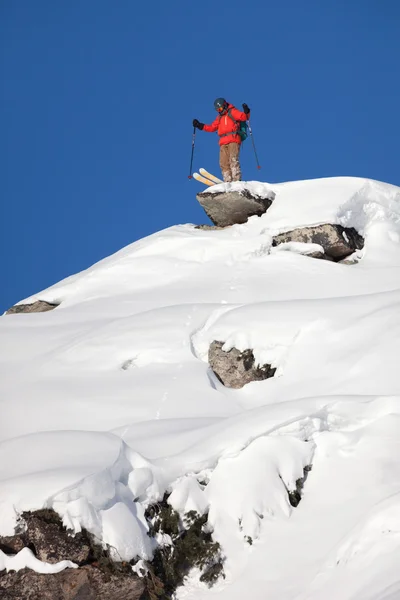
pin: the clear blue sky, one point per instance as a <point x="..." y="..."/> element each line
<point x="97" y="100"/>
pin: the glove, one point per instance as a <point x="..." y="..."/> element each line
<point x="197" y="124"/>
<point x="246" y="109"/>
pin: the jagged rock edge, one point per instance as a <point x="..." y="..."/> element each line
<point x="32" y="307"/>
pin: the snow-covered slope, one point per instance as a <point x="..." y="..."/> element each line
<point x="108" y="401"/>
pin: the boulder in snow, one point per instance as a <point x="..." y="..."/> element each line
<point x="235" y="368"/>
<point x="337" y="241"/>
<point x="38" y="306"/>
<point x="226" y="208"/>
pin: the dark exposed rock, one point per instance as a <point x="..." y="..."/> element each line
<point x="320" y="255"/>
<point x="39" y="306"/>
<point x="42" y="531"/>
<point x="191" y="546"/>
<point x="228" y="208"/>
<point x="235" y="368"/>
<point x="98" y="576"/>
<point x="51" y="541"/>
<point x="337" y="241"/>
<point x="85" y="583"/>
<point x="295" y="495"/>
<point x="11" y="544"/>
<point x="210" y="227"/>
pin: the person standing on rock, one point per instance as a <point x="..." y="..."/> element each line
<point x="228" y="125"/>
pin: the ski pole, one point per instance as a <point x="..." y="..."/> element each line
<point x="254" y="146"/>
<point x="191" y="159"/>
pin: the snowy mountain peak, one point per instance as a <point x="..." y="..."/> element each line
<point x="110" y="404"/>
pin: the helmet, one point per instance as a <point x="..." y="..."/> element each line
<point x="220" y="104"/>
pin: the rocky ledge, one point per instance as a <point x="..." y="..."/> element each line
<point x="97" y="576"/>
<point x="235" y="207"/>
<point x="35" y="307"/>
<point x="336" y="241"/>
<point x="187" y="543"/>
<point x="85" y="583"/>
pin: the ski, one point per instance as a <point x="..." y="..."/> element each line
<point x="203" y="179"/>
<point x="210" y="176"/>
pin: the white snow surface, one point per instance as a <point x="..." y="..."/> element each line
<point x="26" y="559"/>
<point x="108" y="401"/>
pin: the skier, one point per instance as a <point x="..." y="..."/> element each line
<point x="228" y="125"/>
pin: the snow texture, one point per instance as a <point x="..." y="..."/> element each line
<point x="108" y="401"/>
<point x="26" y="559"/>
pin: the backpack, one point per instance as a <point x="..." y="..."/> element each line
<point x="242" y="131"/>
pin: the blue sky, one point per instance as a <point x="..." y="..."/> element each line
<point x="97" y="100"/>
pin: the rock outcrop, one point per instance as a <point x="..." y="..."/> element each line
<point x="226" y="208"/>
<point x="86" y="583"/>
<point x="231" y="207"/>
<point x="97" y="576"/>
<point x="39" y="306"/>
<point x="338" y="242"/>
<point x="43" y="531"/>
<point x="235" y="368"/>
<point x="191" y="546"/>
<point x="209" y="227"/>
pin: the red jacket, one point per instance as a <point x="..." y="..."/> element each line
<point x="225" y="125"/>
